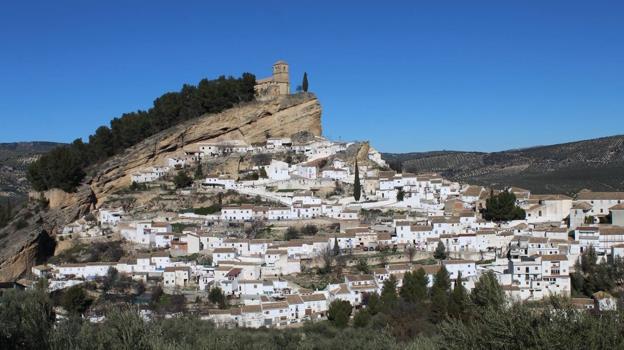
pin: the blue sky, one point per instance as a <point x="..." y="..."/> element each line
<point x="408" y="76"/>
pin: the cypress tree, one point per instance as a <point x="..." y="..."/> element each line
<point x="199" y="172"/>
<point x="336" y="247"/>
<point x="304" y="84"/>
<point x="440" y="252"/>
<point x="357" y="188"/>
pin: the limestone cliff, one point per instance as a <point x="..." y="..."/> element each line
<point x="252" y="122"/>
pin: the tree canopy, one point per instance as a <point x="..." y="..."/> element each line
<point x="414" y="288"/>
<point x="487" y="292"/>
<point x="64" y="167"/>
<point x="339" y="313"/>
<point x="502" y="207"/>
<point x="440" y="251"/>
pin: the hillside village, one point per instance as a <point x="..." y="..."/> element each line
<point x="277" y="229"/>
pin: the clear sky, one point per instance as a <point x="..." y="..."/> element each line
<point x="409" y="76"/>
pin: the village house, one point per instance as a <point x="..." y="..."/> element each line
<point x="110" y="216"/>
<point x="547" y="208"/>
<point x="243" y="212"/>
<point x="600" y="202"/>
<point x="178" y="276"/>
<point x="277" y="170"/>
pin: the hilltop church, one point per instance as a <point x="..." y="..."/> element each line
<point x="276" y="85"/>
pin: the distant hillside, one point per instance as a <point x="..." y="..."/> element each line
<point x="14" y="158"/>
<point x="596" y="164"/>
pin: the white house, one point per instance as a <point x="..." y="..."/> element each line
<point x="178" y="276"/>
<point x="110" y="216"/>
<point x="237" y="213"/>
<point x="467" y="268"/>
<point x="335" y="174"/>
<point x="307" y="171"/>
<point x="277" y="170"/>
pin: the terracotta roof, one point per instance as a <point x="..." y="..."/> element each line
<point x="587" y="228"/>
<point x="614" y="230"/>
<point x="294" y="299"/>
<point x="234" y="272"/>
<point x="550" y="197"/>
<point x="276" y="252"/>
<point x="600" y="195"/>
<point x="429" y="269"/>
<point x="224" y="250"/>
<point x="457" y="262"/>
<point x="313" y="297"/>
<point x="555" y="257"/>
<point x="275" y="305"/>
<point x="582" y="206"/>
<point x="421" y="228"/>
<point x="472" y="191"/>
<point x="353" y="278"/>
<point x="248" y="309"/>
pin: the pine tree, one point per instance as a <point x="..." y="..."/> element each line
<point x="458" y="301"/>
<point x="407" y="289"/>
<point x="577" y="279"/>
<point x="357" y="188"/>
<point x="414" y="289"/>
<point x="339" y="312"/>
<point x="440" y="295"/>
<point x="304" y="84"/>
<point x="421" y="281"/>
<point x="389" y="296"/>
<point x="373" y="303"/>
<point x="487" y="292"/>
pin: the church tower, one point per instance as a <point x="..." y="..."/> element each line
<point x="280" y="75"/>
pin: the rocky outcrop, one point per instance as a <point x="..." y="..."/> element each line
<point x="252" y="122"/>
<point x="29" y="239"/>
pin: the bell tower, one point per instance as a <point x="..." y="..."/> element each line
<point x="280" y="75"/>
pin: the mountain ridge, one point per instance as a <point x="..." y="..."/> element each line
<point x="14" y="159"/>
<point x="596" y="164"/>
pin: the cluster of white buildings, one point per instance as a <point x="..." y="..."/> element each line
<point x="150" y="174"/>
<point x="531" y="258"/>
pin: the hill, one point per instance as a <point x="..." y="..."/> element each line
<point x="14" y="160"/>
<point x="596" y="164"/>
<point x="21" y="246"/>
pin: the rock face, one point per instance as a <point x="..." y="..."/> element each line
<point x="252" y="122"/>
<point x="22" y="248"/>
